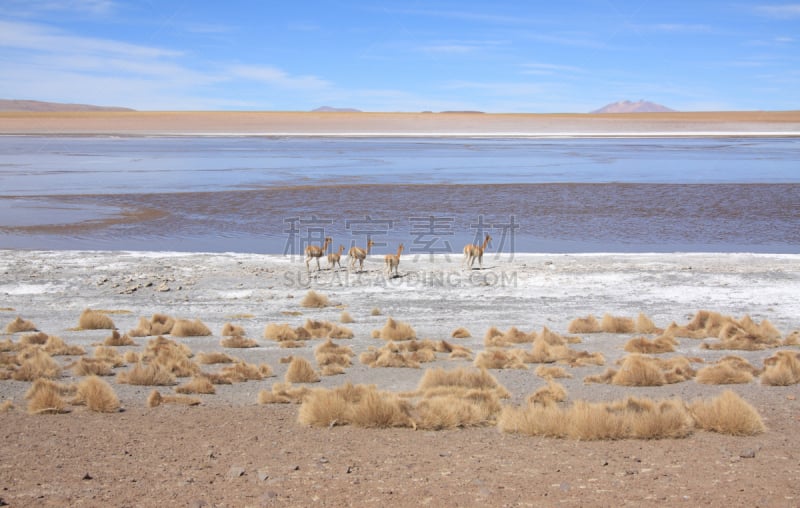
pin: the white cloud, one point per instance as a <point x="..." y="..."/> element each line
<point x="787" y="11"/>
<point x="548" y="69"/>
<point x="276" y="77"/>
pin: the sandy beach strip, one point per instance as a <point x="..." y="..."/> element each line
<point x="783" y="123"/>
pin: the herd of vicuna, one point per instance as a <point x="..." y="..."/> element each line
<point x="472" y="253"/>
<point x="461" y="397"/>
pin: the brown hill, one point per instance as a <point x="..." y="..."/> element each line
<point x="633" y="107"/>
<point x="40" y="106"/>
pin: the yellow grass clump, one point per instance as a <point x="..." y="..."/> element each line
<point x="632" y="418"/>
<point x="645" y="325"/>
<point x="617" y="324"/>
<point x="550" y="394"/>
<point x="641" y="370"/>
<point x="375" y="312"/>
<point x="589" y="324"/>
<point x="396" y="330"/>
<point x="92" y="367"/>
<point x="97" y="395"/>
<point x="553" y="372"/>
<point x="479" y="379"/>
<point x="283" y="393"/>
<point x="782" y="369"/>
<point x="497" y="338"/>
<point x="6" y="405"/>
<point x="214" y="357"/>
<point x="792" y="339"/>
<point x="662" y="344"/>
<point x="36" y="363"/>
<point x="280" y="332"/>
<point x="198" y="384"/>
<point x="301" y="371"/>
<point x="329" y="353"/>
<point x="238" y="341"/>
<point x="159" y="324"/>
<point x="147" y="375"/>
<point x="359" y="405"/>
<point x="190" y="328"/>
<point x="460" y="333"/>
<point x="132" y="357"/>
<point x="115" y="339"/>
<point x="230" y="330"/>
<point x="95" y="320"/>
<point x="155" y="399"/>
<point x="45" y="397"/>
<point x="728" y="370"/>
<point x="498" y="359"/>
<point x="109" y="355"/>
<point x="20" y="325"/>
<point x="34" y="339"/>
<point x="727" y="414"/>
<point x="346" y="318"/>
<point x="314" y="300"/>
<point x="454" y="407"/>
<point x="56" y="346"/>
<point x="241" y="372"/>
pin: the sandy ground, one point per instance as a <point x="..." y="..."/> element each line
<point x="295" y="123"/>
<point x="232" y="452"/>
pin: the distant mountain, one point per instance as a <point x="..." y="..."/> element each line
<point x="39" y="106"/>
<point x="328" y="109"/>
<point x="633" y="107"/>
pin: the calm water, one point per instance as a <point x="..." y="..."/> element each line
<point x="260" y="194"/>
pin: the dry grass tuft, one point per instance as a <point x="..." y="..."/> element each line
<point x="92" y="367"/>
<point x="280" y="332"/>
<point x="662" y="344"/>
<point x="616" y="324"/>
<point x="214" y="357"/>
<point x="57" y="347"/>
<point x="329" y="354"/>
<point x="375" y="312"/>
<point x="115" y="339"/>
<point x="550" y="394"/>
<point x="461" y="377"/>
<point x="461" y="333"/>
<point x="792" y="339"/>
<point x="283" y="393"/>
<point x="237" y="341"/>
<point x="632" y="418"/>
<point x="190" y="328"/>
<point x="396" y="330"/>
<point x="241" y="372"/>
<point x="782" y="369"/>
<point x="727" y="414"/>
<point x="132" y="357"/>
<point x="551" y="372"/>
<point x="6" y="405"/>
<point x="346" y="318"/>
<point x="147" y="375"/>
<point x="34" y="339"/>
<point x="359" y="405"/>
<point x="198" y="384"/>
<point x="314" y="300"/>
<point x="589" y="324"/>
<point x="95" y="320"/>
<point x="97" y="395"/>
<point x="498" y="359"/>
<point x="45" y="397"/>
<point x="35" y="363"/>
<point x="497" y="338"/>
<point x="155" y="399"/>
<point x="109" y="355"/>
<point x="453" y="407"/>
<point x="301" y="371"/>
<point x="728" y="370"/>
<point x="159" y="324"/>
<point x="645" y="325"/>
<point x="20" y="325"/>
<point x="231" y="330"/>
<point x="640" y="370"/>
<point x="549" y="348"/>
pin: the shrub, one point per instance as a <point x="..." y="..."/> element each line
<point x="198" y="384"/>
<point x="97" y="395"/>
<point x="301" y="371"/>
<point x="115" y="339"/>
<point x="95" y="320"/>
<point x="20" y="325"/>
<point x="237" y="341"/>
<point x="396" y="330"/>
<point x="190" y="328"/>
<point x="727" y="414"/>
<point x="589" y="324"/>
<point x="460" y="333"/>
<point x="147" y="375"/>
<point x="314" y="300"/>
<point x="782" y="369"/>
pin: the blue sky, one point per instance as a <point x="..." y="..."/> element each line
<point x="499" y="56"/>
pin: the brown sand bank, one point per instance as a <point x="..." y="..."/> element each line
<point x="276" y="123"/>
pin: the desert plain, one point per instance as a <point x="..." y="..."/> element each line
<point x="232" y="450"/>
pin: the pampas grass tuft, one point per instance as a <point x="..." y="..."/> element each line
<point x="198" y="384"/>
<point x="346" y="318"/>
<point x="229" y="330"/>
<point x="615" y="324"/>
<point x="781" y="369"/>
<point x="301" y="371"/>
<point x="95" y="320"/>
<point x="589" y="324"/>
<point x="97" y="395"/>
<point x="155" y="399"/>
<point x="280" y="332"/>
<point x="147" y="375"/>
<point x="314" y="300"/>
<point x="190" y="328"/>
<point x="20" y="325"/>
<point x="45" y="397"/>
<point x="460" y="333"/>
<point x="727" y="414"/>
<point x="115" y="339"/>
<point x="551" y="372"/>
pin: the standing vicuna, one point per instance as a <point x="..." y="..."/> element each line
<point x="471" y="252"/>
<point x="393" y="261"/>
<point x="359" y="254"/>
<point x="335" y="258"/>
<point x="312" y="251"/>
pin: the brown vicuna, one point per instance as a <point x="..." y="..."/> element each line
<point x="335" y="258"/>
<point x="359" y="254"/>
<point x="474" y="251"/>
<point x="314" y="252"/>
<point x="392" y="261"/>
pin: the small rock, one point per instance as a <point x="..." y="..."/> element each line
<point x="87" y="476"/>
<point x="235" y="472"/>
<point x="748" y="454"/>
<point x="323" y="460"/>
<point x="262" y="475"/>
<point x="163" y="288"/>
